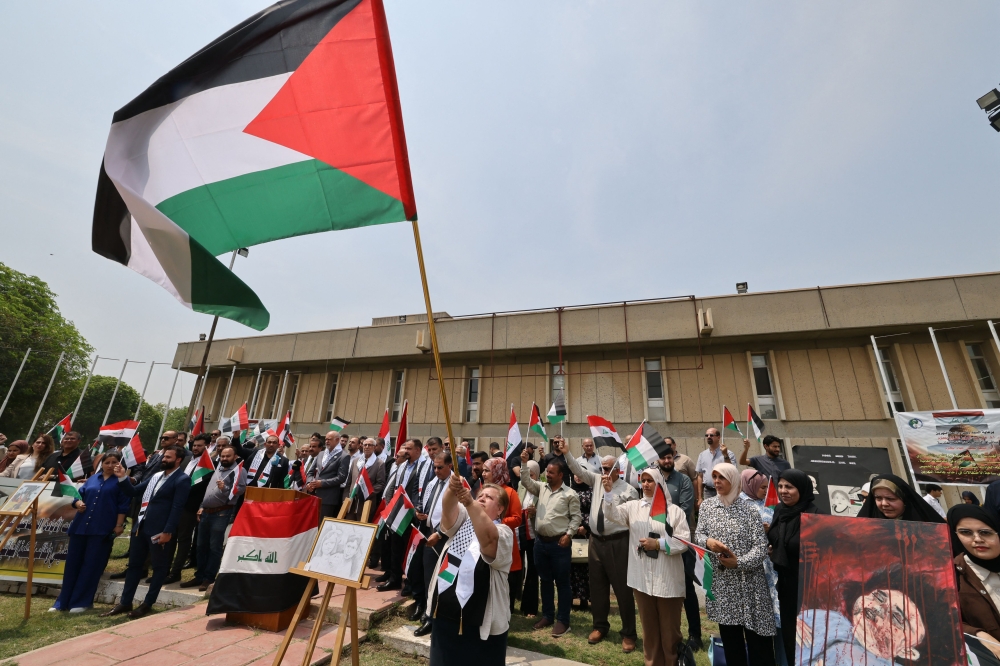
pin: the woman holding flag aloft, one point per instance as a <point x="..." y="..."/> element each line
<point x="470" y="599"/>
<point x="657" y="531"/>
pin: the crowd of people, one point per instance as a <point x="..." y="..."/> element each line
<point x="504" y="527"/>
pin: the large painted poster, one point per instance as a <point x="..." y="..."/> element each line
<point x="838" y="472"/>
<point x="956" y="447"/>
<point x="51" y="541"/>
<point x="890" y="598"/>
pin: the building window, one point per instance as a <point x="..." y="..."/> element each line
<point x="558" y="382"/>
<point x="293" y="393"/>
<point x="333" y="398"/>
<point x="762" y="380"/>
<point x="397" y="394"/>
<point x="472" y="399"/>
<point x="275" y="385"/>
<point x="895" y="397"/>
<point x="655" y="407"/>
<point x="983" y="375"/>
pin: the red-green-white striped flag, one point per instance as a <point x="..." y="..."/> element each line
<point x="401" y="515"/>
<point x="61" y="428"/>
<point x="513" y="435"/>
<point x="338" y="424"/>
<point x="384" y="431"/>
<point x="658" y="509"/>
<point x="728" y="422"/>
<point x="237" y="422"/>
<point x="703" y="570"/>
<point x="448" y="572"/>
<point x="203" y="468"/>
<point x="535" y="423"/>
<point x="288" y="124"/>
<point x="65" y="486"/>
<point x="645" y="447"/>
<point x="411" y="548"/>
<point x="133" y="454"/>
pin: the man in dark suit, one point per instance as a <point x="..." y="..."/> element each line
<point x="266" y="467"/>
<point x="163" y="497"/>
<point x="376" y="474"/>
<point x="189" y="517"/>
<point x="329" y="475"/>
<point x="408" y="477"/>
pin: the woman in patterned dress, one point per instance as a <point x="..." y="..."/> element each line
<point x="729" y="526"/>
<point x="754" y="486"/>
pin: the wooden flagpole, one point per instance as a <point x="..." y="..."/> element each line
<point x="434" y="346"/>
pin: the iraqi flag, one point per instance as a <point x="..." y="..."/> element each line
<point x="383" y="431"/>
<point x="237" y="422"/>
<point x="603" y="432"/>
<point x="401" y="434"/>
<point x="119" y="434"/>
<point x="199" y="423"/>
<point x="288" y="124"/>
<point x="645" y="447"/>
<point x="132" y="453"/>
<point x="364" y="485"/>
<point x="703" y="570"/>
<point x="771" y="497"/>
<point x="266" y="540"/>
<point x="284" y="430"/>
<point x="61" y="428"/>
<point x="513" y="436"/>
<point x="535" y="424"/>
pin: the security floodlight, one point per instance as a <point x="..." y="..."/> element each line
<point x="741" y="287"/>
<point x="989" y="101"/>
<point x="243" y="252"/>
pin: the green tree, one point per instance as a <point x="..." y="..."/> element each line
<point x="30" y="317"/>
<point x="95" y="405"/>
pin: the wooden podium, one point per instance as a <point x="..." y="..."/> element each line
<point x="267" y="621"/>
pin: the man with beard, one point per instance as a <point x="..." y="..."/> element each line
<point x="266" y="467"/>
<point x="163" y="496"/>
<point x="189" y="517"/>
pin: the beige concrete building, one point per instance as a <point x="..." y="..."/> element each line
<point x="803" y="358"/>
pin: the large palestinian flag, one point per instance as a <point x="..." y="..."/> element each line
<point x="288" y="124"/>
<point x="266" y="540"/>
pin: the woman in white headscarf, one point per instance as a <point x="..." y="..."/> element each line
<point x="655" y="567"/>
<point x="729" y="527"/>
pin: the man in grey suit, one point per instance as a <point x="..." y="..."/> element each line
<point x="329" y="475"/>
<point x="376" y="474"/>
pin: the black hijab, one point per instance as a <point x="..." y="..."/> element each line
<point x="960" y="511"/>
<point x="969" y="495"/>
<point x="783" y="535"/>
<point x="915" y="508"/>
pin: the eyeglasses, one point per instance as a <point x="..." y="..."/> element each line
<point x="163" y="438"/>
<point x="608" y="469"/>
<point x="710" y="436"/>
<point x="985" y="535"/>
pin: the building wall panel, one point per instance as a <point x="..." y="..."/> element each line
<point x="846" y="385"/>
<point x="804" y="385"/>
<point x="868" y="384"/>
<point x="725" y="382"/>
<point x="620" y="392"/>
<point x="605" y="390"/>
<point x="826" y="385"/>
<point x="587" y="392"/>
<point x="784" y="373"/>
<point x="689" y="392"/>
<point x="635" y="381"/>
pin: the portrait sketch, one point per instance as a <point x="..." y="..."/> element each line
<point x="845" y="500"/>
<point x="341" y="549"/>
<point x="22" y="498"/>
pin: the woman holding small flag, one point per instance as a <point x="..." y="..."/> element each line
<point x="101" y="508"/>
<point x="658" y="529"/>
<point x="739" y="600"/>
<point x="470" y="600"/>
<point x="755" y="485"/>
<point x="795" y="490"/>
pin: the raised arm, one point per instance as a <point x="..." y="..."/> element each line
<point x="743" y="456"/>
<point x="486" y="530"/>
<point x="586" y="475"/>
<point x="612" y="510"/>
<point x="529" y="483"/>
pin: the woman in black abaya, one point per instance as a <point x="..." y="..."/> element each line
<point x="891" y="498"/>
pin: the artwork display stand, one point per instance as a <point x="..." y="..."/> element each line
<point x="9" y="520"/>
<point x="348" y="612"/>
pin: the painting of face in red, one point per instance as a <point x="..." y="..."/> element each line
<point x="877" y="593"/>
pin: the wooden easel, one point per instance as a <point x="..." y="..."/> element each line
<point x="348" y="612"/>
<point x="10" y="521"/>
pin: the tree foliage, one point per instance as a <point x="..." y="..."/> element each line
<point x="30" y="317"/>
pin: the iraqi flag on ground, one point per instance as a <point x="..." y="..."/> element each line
<point x="288" y="124"/>
<point x="132" y="453"/>
<point x="513" y="436"/>
<point x="61" y="428"/>
<point x="119" y="434"/>
<point x="203" y="468"/>
<point x="266" y="540"/>
<point x="237" y="422"/>
<point x="535" y="424"/>
<point x="702" y="567"/>
<point x="645" y="447"/>
<point x="603" y="432"/>
<point x="64" y="486"/>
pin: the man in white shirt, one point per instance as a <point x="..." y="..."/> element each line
<point x="590" y="459"/>
<point x="933" y="497"/>
<point x="707" y="460"/>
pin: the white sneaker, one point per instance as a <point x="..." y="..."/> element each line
<point x="77" y="610"/>
<point x="53" y="610"/>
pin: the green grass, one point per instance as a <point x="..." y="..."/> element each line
<point x="18" y="636"/>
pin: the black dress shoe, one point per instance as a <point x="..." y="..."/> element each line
<point x="423" y="629"/>
<point x="140" y="610"/>
<point x="407" y="591"/>
<point x="170" y="580"/>
<point x="695" y="644"/>
<point x="118" y="610"/>
<point x="389" y="585"/>
<point x="383" y="578"/>
<point x="117" y="576"/>
<point x="417" y="612"/>
<point x="149" y="580"/>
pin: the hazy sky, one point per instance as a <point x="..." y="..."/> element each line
<point x="562" y="153"/>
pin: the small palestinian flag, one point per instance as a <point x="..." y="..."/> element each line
<point x="402" y="435"/>
<point x="237" y="422"/>
<point x="702" y="567"/>
<point x="557" y="412"/>
<point x="645" y="447"/>
<point x="235" y="490"/>
<point x="61" y="428"/>
<point x="728" y="422"/>
<point x="658" y="509"/>
<point x="203" y="468"/>
<point x="133" y="454"/>
<point x="364" y="485"/>
<point x="754" y="421"/>
<point x="401" y="516"/>
<point x="65" y="487"/>
<point x="117" y="435"/>
<point x="535" y="424"/>
<point x="411" y="548"/>
<point x="771" y="498"/>
<point x="603" y="432"/>
<point x="448" y="572"/>
<point x="513" y="435"/>
<point x="338" y="424"/>
<point x="77" y="470"/>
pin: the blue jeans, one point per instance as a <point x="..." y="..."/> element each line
<point x="211" y="533"/>
<point x="553" y="564"/>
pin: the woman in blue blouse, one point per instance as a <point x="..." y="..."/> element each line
<point x="99" y="519"/>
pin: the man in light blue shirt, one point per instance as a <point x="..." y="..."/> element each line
<point x="707" y="460"/>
